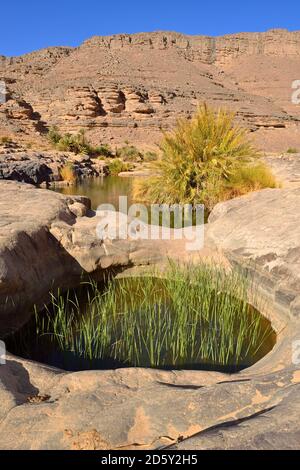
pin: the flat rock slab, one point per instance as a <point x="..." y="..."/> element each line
<point x="144" y="409"/>
<point x="286" y="169"/>
<point x="45" y="408"/>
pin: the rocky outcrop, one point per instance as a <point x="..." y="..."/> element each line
<point x="265" y="237"/>
<point x="45" y="167"/>
<point x="77" y="103"/>
<point x="31" y="172"/>
<point x="49" y="240"/>
<point x="112" y="99"/>
<point x="275" y="42"/>
<point x="129" y="87"/>
<point x="17" y="111"/>
<point x="79" y="411"/>
<point x="254" y="409"/>
<point x="136" y="102"/>
<point x="29" y="254"/>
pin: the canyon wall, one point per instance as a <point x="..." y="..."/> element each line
<point x="130" y="87"/>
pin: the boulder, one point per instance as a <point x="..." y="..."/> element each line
<point x="262" y="230"/>
<point x="32" y="172"/>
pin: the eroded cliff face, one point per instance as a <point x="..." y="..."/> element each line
<point x="207" y="49"/>
<point x="129" y="87"/>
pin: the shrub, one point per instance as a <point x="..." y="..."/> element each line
<point x="68" y="173"/>
<point x="129" y="153"/>
<point x="150" y="156"/>
<point x="54" y="136"/>
<point x="102" y="151"/>
<point x="200" y="160"/>
<point x="292" y="150"/>
<point x="77" y="143"/>
<point x="5" y="140"/>
<point x="73" y="143"/>
<point x="117" y="166"/>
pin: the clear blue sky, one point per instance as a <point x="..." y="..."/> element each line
<point x="33" y="24"/>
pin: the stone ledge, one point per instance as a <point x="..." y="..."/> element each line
<point x="150" y="409"/>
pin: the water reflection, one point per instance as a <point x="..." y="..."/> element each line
<point x="108" y="189"/>
<point x="101" y="190"/>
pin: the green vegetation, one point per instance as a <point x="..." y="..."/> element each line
<point x="117" y="166"/>
<point x="54" y="135"/>
<point x="201" y="162"/>
<point x="77" y="143"/>
<point x="129" y="153"/>
<point x="193" y="315"/>
<point x="249" y="178"/>
<point x="5" y="140"/>
<point x="150" y="156"/>
<point x="292" y="150"/>
<point x="68" y="173"/>
<point x="103" y="150"/>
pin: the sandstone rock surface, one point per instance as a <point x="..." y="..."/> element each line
<point x="286" y="169"/>
<point x="262" y="230"/>
<point x="51" y="409"/>
<point x="49" y="240"/>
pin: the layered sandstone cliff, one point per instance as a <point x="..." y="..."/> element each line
<point x="132" y="86"/>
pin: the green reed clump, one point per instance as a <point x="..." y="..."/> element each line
<point x="117" y="166"/>
<point x="206" y="159"/>
<point x="190" y="315"/>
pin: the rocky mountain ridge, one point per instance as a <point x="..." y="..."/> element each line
<point x="129" y="87"/>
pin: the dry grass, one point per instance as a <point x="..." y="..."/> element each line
<point x="67" y="173"/>
<point x="248" y="179"/>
